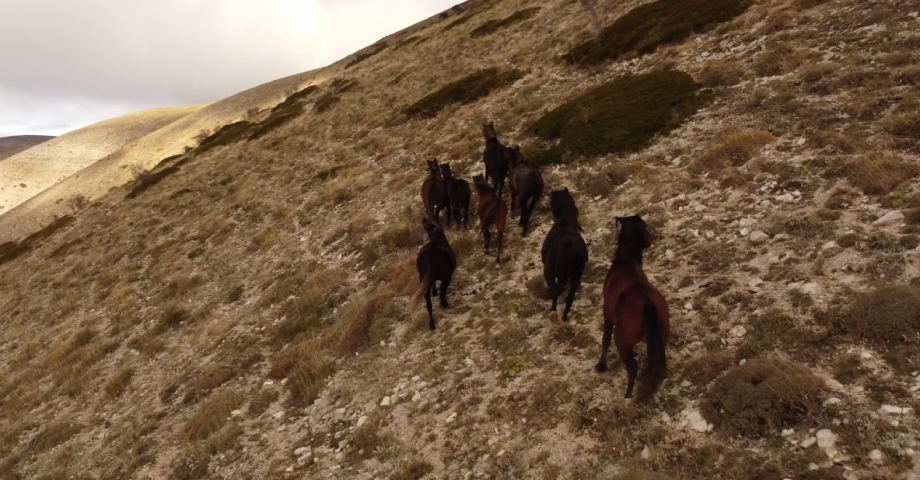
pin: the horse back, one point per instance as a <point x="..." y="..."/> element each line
<point x="564" y="248"/>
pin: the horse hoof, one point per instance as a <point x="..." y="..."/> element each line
<point x="601" y="367"/>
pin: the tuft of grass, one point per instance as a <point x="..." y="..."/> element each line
<point x="762" y="397"/>
<point x="705" y="368"/>
<point x="213" y="415"/>
<point x="646" y="27"/>
<point x="779" y="59"/>
<point x="52" y="436"/>
<point x="734" y="151"/>
<point x="307" y="379"/>
<point x="325" y="102"/>
<point x="466" y="90"/>
<point x="618" y="116"/>
<point x="877" y="173"/>
<point x="411" y="470"/>
<point x="905" y="127"/>
<point x="366" y="53"/>
<point x="119" y="382"/>
<point x="721" y="73"/>
<point x="363" y="322"/>
<point x="493" y="26"/>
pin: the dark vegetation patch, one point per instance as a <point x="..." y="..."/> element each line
<point x="165" y="168"/>
<point x="409" y="41"/>
<point x="226" y="135"/>
<point x="651" y="25"/>
<point x="366" y="53"/>
<point x="875" y="173"/>
<point x="12" y="250"/>
<point x="762" y="397"/>
<point x="52" y="436"/>
<point x="466" y="90"/>
<point x="888" y="318"/>
<point x="774" y="330"/>
<point x="493" y="26"/>
<point x="620" y="116"/>
<point x="325" y="102"/>
<point x="294" y="99"/>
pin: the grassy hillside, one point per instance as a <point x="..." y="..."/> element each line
<point x="239" y="311"/>
<point x="12" y="145"/>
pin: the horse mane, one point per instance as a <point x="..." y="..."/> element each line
<point x="564" y="210"/>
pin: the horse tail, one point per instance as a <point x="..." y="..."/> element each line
<point x="424" y="287"/>
<point x="656" y="364"/>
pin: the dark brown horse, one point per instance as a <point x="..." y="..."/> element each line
<point x="526" y="185"/>
<point x="564" y="253"/>
<point x="496" y="157"/>
<point x="634" y="309"/>
<point x="434" y="191"/>
<point x="458" y="197"/>
<point x="435" y="263"/>
<point x="492" y="210"/>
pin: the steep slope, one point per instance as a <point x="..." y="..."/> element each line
<point x="244" y="314"/>
<point x="12" y="145"/>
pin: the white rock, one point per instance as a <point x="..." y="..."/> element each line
<point x="685" y="383"/>
<point x="809" y="442"/>
<point x="890" y="410"/>
<point x="305" y="459"/>
<point x="876" y="456"/>
<point x="788" y="431"/>
<point x="688" y="306"/>
<point x="800" y="141"/>
<point x="811" y="288"/>
<point x="697" y="422"/>
<point x="744" y="232"/>
<point x="385" y="402"/>
<point x="416" y="397"/>
<point x="890" y="218"/>
<point x="278" y="414"/>
<point x="758" y="237"/>
<point x="468" y="361"/>
<point x="737" y="331"/>
<point x="361" y="421"/>
<point x="831" y="401"/>
<point x="833" y="384"/>
<point x="236" y="413"/>
<point x="829" y="245"/>
<point x="416" y="378"/>
<point x="785" y="198"/>
<point x="755" y="283"/>
<point x="302" y="450"/>
<point x="422" y="385"/>
<point x="645" y="454"/>
<point x="669" y="254"/>
<point x="340" y="412"/>
<point x="268" y="383"/>
<point x="826" y="438"/>
<point x="451" y="417"/>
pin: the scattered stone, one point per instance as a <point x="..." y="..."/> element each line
<point x="695" y="420"/>
<point x="669" y="254"/>
<point x="744" y="232"/>
<point x="738" y="331"/>
<point x="361" y="421"/>
<point x="890" y="410"/>
<point x="685" y="383"/>
<point x="890" y="218"/>
<point x="416" y="397"/>
<point x="800" y="142"/>
<point x="451" y="417"/>
<point x="301" y="451"/>
<point x="785" y="198"/>
<point x="236" y="413"/>
<point x="788" y="432"/>
<point x="876" y="456"/>
<point x="831" y="401"/>
<point x="645" y="454"/>
<point x="826" y="438"/>
<point x="758" y="237"/>
<point x="468" y="361"/>
<point x="688" y="307"/>
<point x="268" y="383"/>
<point x="501" y="453"/>
<point x="808" y="442"/>
<point x="278" y="415"/>
<point x="829" y="245"/>
<point x="416" y="378"/>
<point x="755" y="283"/>
<point x="385" y="402"/>
<point x="833" y="384"/>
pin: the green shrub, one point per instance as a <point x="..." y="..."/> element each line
<point x="493" y="26"/>
<point x="619" y="116"/>
<point x="762" y="397"/>
<point x="651" y="25"/>
<point x="466" y="90"/>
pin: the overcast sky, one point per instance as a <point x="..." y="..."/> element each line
<point x="65" y="64"/>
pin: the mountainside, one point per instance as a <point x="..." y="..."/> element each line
<point x="240" y="309"/>
<point x="14" y="144"/>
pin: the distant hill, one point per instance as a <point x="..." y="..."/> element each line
<point x="10" y="146"/>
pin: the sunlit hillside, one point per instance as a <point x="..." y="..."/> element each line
<point x="240" y="309"/>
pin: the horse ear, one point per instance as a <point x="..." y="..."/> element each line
<point x="566" y="189"/>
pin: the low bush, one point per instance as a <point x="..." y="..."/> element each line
<point x="466" y="90"/>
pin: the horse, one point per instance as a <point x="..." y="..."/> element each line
<point x="496" y="158"/>
<point x="491" y="210"/>
<point x="526" y="185"/>
<point x="458" y="197"/>
<point x="564" y="253"/>
<point x="634" y="309"/>
<point x="435" y="262"/>
<point x="434" y="191"/>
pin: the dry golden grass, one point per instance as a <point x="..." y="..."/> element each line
<point x="733" y="151"/>
<point x="877" y="173"/>
<point x="212" y="415"/>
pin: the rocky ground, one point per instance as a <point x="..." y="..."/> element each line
<point x="246" y="316"/>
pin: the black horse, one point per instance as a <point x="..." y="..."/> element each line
<point x="435" y="262"/>
<point x="526" y="185"/>
<point x="458" y="197"/>
<point x="564" y="252"/>
<point x="496" y="157"/>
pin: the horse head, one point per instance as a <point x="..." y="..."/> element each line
<point x="433" y="228"/>
<point x="488" y="131"/>
<point x="433" y="168"/>
<point x="635" y="231"/>
<point x="515" y="157"/>
<point x="445" y="171"/>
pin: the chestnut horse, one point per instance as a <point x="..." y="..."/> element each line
<point x="458" y="197"/>
<point x="492" y="210"/>
<point x="434" y="191"/>
<point x="526" y="186"/>
<point x="634" y="309"/>
<point x="435" y="262"/>
<point x="564" y="253"/>
<point x="496" y="157"/>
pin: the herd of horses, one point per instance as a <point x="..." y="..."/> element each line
<point x="633" y="308"/>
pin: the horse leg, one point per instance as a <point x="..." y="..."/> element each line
<point x="449" y="210"/>
<point x="501" y="234"/>
<point x="551" y="287"/>
<point x="632" y="366"/>
<point x="443" y="295"/>
<point x="487" y="236"/>
<point x="431" y="325"/>
<point x="530" y="207"/>
<point x="605" y="346"/>
<point x="574" y="283"/>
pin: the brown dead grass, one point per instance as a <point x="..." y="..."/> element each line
<point x="877" y="173"/>
<point x="733" y="151"/>
<point x="212" y="415"/>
